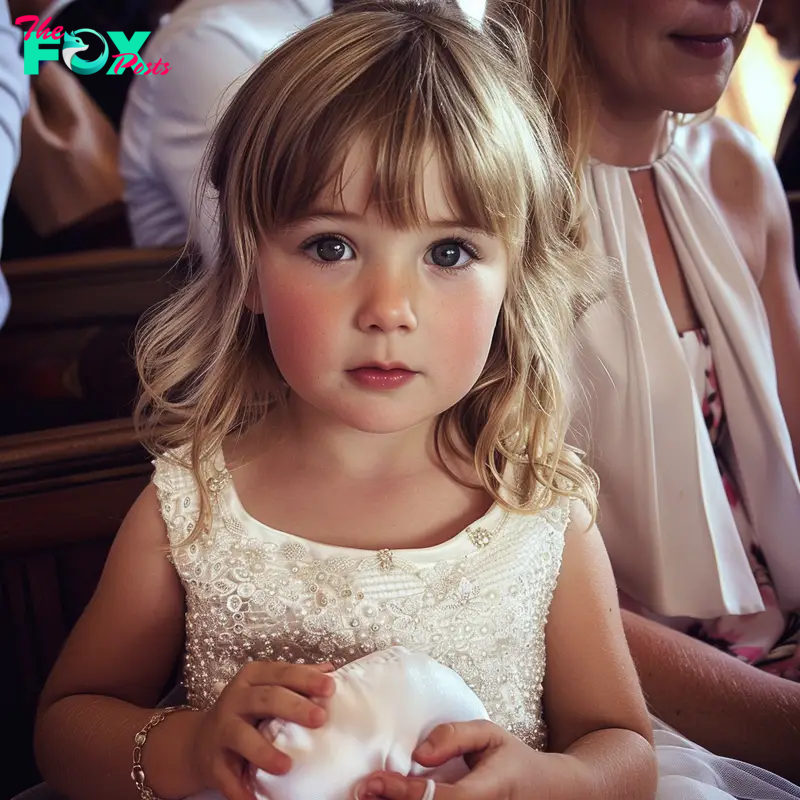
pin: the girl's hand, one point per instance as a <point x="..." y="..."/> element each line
<point x="227" y="740"/>
<point x="502" y="768"/>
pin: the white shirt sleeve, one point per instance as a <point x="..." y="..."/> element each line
<point x="169" y="122"/>
<point x="211" y="48"/>
<point x="13" y="105"/>
<point x="219" y="65"/>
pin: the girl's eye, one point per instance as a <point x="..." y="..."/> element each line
<point x="451" y="254"/>
<point x="329" y="248"/>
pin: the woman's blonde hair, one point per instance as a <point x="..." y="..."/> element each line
<point x="560" y="66"/>
<point x="407" y="79"/>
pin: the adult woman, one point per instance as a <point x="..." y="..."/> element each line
<point x="700" y="502"/>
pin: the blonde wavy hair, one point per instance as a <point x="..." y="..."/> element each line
<point x="407" y="78"/>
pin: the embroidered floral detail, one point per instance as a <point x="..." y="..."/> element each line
<point x="480" y="537"/>
<point x="385" y="560"/>
<point x="218" y="481"/>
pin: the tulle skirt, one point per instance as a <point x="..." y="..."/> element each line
<point x="688" y="772"/>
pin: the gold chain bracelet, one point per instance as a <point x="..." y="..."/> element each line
<point x="137" y="773"/>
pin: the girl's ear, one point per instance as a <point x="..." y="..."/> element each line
<point x="253" y="297"/>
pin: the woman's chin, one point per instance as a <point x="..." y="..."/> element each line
<point x="698" y="96"/>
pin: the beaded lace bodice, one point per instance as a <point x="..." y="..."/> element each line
<point x="477" y="603"/>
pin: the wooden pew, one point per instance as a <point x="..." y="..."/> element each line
<point x="66" y="348"/>
<point x="63" y="494"/>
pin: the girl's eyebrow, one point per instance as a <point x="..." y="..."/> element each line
<point x="317" y="213"/>
<point x="320" y="214"/>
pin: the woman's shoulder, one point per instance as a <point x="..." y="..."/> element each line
<point x="740" y="174"/>
<point x="726" y="149"/>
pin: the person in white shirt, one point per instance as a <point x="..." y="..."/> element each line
<point x="210" y="47"/>
<point x="13" y="105"/>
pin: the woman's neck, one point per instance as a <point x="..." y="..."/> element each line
<point x="629" y="137"/>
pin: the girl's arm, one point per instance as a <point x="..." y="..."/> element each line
<point x="721" y="703"/>
<point x="112" y="672"/>
<point x="593" y="702"/>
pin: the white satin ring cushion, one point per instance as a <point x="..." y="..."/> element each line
<point x="384" y="706"/>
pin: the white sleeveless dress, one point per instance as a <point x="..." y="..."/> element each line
<point x="476" y="604"/>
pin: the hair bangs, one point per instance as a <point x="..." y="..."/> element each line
<point x="435" y="100"/>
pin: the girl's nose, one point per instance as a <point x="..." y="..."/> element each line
<point x="388" y="303"/>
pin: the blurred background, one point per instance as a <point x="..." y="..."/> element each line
<point x="760" y="89"/>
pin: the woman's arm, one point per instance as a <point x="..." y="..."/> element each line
<point x="593" y="702"/>
<point x="720" y="703"/>
<point x="112" y="671"/>
<point x="780" y="292"/>
<point x="742" y="177"/>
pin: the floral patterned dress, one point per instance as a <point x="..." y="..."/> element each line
<point x="768" y="639"/>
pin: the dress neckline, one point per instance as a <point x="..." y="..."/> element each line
<point x="473" y="537"/>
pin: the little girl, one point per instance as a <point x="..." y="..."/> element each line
<point x="358" y="415"/>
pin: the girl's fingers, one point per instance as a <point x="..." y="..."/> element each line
<point x="307" y="679"/>
<point x="456" y="739"/>
<point x="230" y="779"/>
<point x="275" y="701"/>
<point x="251" y="745"/>
<point x="233" y="789"/>
<point x="389" y="786"/>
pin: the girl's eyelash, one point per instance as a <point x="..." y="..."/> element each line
<point x="318" y="237"/>
<point x="321" y="237"/>
<point x="467" y="245"/>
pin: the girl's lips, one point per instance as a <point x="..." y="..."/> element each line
<point x="381" y="379"/>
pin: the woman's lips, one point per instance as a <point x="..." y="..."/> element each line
<point x="382" y="379"/>
<point x="704" y="46"/>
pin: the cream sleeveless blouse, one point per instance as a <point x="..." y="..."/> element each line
<point x="664" y="515"/>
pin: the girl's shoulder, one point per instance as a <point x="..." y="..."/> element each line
<point x="561" y="515"/>
<point x="178" y="489"/>
<point x="172" y="471"/>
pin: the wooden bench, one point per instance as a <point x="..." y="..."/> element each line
<point x="66" y="349"/>
<point x="63" y="494"/>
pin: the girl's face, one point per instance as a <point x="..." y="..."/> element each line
<point x="673" y="55"/>
<point x="377" y="327"/>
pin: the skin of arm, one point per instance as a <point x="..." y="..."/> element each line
<point x="780" y="292"/>
<point x="722" y="704"/>
<point x="597" y="715"/>
<point x="112" y="672"/>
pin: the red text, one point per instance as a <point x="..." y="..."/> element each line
<point x="39" y="30"/>
<point x="139" y="67"/>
